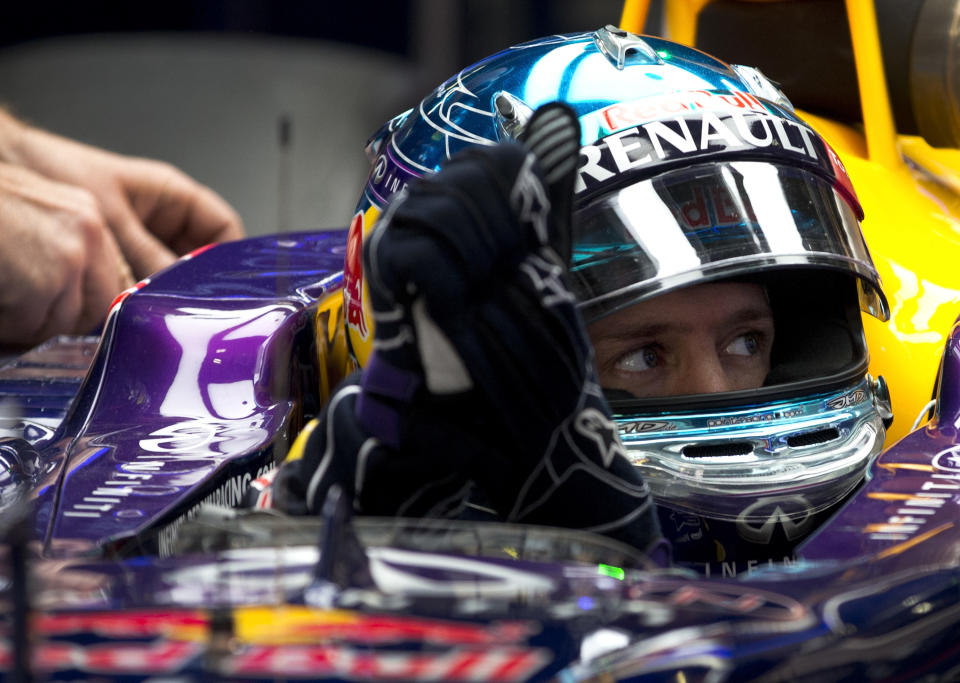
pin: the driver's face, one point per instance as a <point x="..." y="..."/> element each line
<point x="702" y="339"/>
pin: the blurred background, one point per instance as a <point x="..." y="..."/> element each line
<point x="268" y="102"/>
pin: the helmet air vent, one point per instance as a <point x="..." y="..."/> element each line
<point x="618" y="46"/>
<point x="512" y="114"/>
<point x="718" y="450"/>
<point x="813" y="438"/>
<point x="762" y="86"/>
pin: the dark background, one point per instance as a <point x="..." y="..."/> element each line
<point x="477" y="27"/>
<point x="206" y="84"/>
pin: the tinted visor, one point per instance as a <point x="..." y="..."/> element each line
<point x="713" y="221"/>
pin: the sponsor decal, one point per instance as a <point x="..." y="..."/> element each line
<point x="379" y="169"/>
<point x="947" y="461"/>
<point x="625" y="114"/>
<point x="133" y="624"/>
<point x="685" y="138"/>
<point x="388" y="177"/>
<point x="157" y="657"/>
<point x="913" y="510"/>
<point x="320" y="644"/>
<point x="848" y="400"/>
<point x="488" y="664"/>
<point x="316" y="661"/>
<point x="353" y="279"/>
<point x="185" y="446"/>
<point x="757" y="522"/>
<point x="293" y="625"/>
<point x="638" y="427"/>
<point x="755" y="418"/>
<point x="229" y="495"/>
<point x="730" y="570"/>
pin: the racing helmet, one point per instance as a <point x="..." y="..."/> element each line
<point x="692" y="171"/>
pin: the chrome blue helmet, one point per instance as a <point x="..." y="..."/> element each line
<point x="692" y="172"/>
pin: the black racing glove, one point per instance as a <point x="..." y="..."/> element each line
<point x="384" y="476"/>
<point x="482" y="369"/>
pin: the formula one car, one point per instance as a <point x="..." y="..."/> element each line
<point x="115" y="567"/>
<point x="122" y="557"/>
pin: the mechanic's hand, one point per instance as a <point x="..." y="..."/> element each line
<point x="155" y="211"/>
<point x="60" y="266"/>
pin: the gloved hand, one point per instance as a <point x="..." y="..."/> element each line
<point x="482" y="369"/>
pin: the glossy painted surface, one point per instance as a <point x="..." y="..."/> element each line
<point x="910" y="196"/>
<point x="912" y="226"/>
<point x="883" y="571"/>
<point x="198" y="384"/>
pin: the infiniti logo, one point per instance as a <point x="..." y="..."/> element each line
<point x="757" y="522"/>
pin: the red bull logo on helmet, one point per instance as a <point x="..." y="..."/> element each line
<point x="625" y="114"/>
<point x="353" y="280"/>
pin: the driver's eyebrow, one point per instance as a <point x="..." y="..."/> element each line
<point x="746" y="314"/>
<point x="643" y="330"/>
<point x="749" y="314"/>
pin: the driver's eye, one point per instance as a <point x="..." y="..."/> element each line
<point x="644" y="358"/>
<point x="744" y="345"/>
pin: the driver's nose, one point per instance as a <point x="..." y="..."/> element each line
<point x="704" y="374"/>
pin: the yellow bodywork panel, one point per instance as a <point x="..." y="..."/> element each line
<point x="333" y="361"/>
<point x="331" y="341"/>
<point x="910" y="194"/>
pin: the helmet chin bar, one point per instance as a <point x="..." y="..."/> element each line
<point x="716" y="463"/>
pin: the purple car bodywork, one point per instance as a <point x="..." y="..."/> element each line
<point x="201" y="378"/>
<point x="196" y="381"/>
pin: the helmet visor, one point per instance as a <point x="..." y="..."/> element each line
<point x="713" y="221"/>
